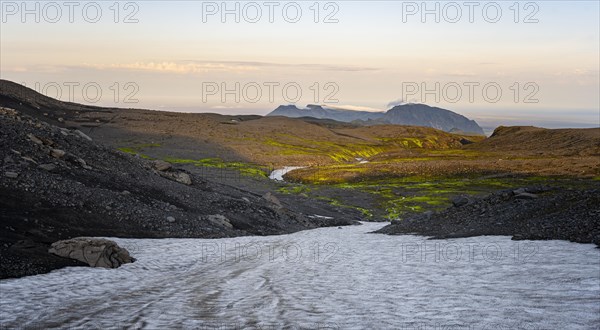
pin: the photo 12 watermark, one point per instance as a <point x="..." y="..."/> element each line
<point x="270" y="91"/>
<point x="270" y="12"/>
<point x="454" y="252"/>
<point x="470" y="12"/>
<point x="69" y="11"/>
<point x="87" y="91"/>
<point x="470" y="91"/>
<point x="259" y="252"/>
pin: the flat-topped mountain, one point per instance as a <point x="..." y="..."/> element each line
<point x="405" y="114"/>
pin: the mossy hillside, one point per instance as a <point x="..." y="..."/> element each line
<point x="241" y="167"/>
<point x="398" y="198"/>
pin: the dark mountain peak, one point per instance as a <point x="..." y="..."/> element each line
<point x="287" y="107"/>
<point x="314" y="107"/>
<point x="415" y="114"/>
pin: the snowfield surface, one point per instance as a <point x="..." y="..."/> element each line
<point x="326" y="278"/>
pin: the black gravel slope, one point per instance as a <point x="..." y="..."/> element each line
<point x="92" y="190"/>
<point x="535" y="213"/>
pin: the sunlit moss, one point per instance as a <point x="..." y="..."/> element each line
<point x="243" y="168"/>
<point x="137" y="149"/>
<point x="133" y="151"/>
<point x="295" y="189"/>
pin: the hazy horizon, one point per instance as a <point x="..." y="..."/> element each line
<point x="538" y="61"/>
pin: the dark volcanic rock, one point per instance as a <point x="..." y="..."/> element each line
<point x="96" y="252"/>
<point x="459" y="201"/>
<point x="92" y="190"/>
<point x="566" y="214"/>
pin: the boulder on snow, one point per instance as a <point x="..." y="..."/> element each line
<point x="96" y="252"/>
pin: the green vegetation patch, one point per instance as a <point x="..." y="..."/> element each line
<point x="137" y="149"/>
<point x="243" y="168"/>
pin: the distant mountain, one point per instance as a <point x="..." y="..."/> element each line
<point x="317" y="111"/>
<point x="424" y="115"/>
<point x="406" y="114"/>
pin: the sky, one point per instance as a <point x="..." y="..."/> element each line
<point x="503" y="62"/>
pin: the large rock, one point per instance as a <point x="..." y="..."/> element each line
<point x="183" y="178"/>
<point x="161" y="165"/>
<point x="220" y="220"/>
<point x="459" y="201"/>
<point x="96" y="252"/>
<point x="180" y="177"/>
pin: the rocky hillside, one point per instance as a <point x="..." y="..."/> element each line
<point x="406" y="114"/>
<point x="525" y="213"/>
<point x="57" y="183"/>
<point x="563" y="142"/>
<point x="188" y="137"/>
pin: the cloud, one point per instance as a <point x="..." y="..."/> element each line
<point x="174" y="67"/>
<point x="353" y="107"/>
<point x="394" y="103"/>
<point x="196" y="66"/>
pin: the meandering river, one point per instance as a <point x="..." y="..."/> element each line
<point x="326" y="278"/>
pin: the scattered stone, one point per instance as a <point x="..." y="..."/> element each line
<point x="170" y="219"/>
<point x="269" y="197"/>
<point x="96" y="252"/>
<point x="29" y="159"/>
<point x="48" y="167"/>
<point x="519" y="191"/>
<point x="57" y="153"/>
<point x="61" y="120"/>
<point x="161" y="165"/>
<point x="459" y="201"/>
<point x="82" y="135"/>
<point x="183" y="178"/>
<point x="12" y="175"/>
<point x="47" y="142"/>
<point x="526" y="195"/>
<point x="81" y="162"/>
<point x="220" y="220"/>
<point x="35" y="139"/>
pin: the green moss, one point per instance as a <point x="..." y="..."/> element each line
<point x="133" y="151"/>
<point x="365" y="212"/>
<point x="339" y="153"/>
<point x="243" y="168"/>
<point x="295" y="190"/>
<point x="137" y="149"/>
